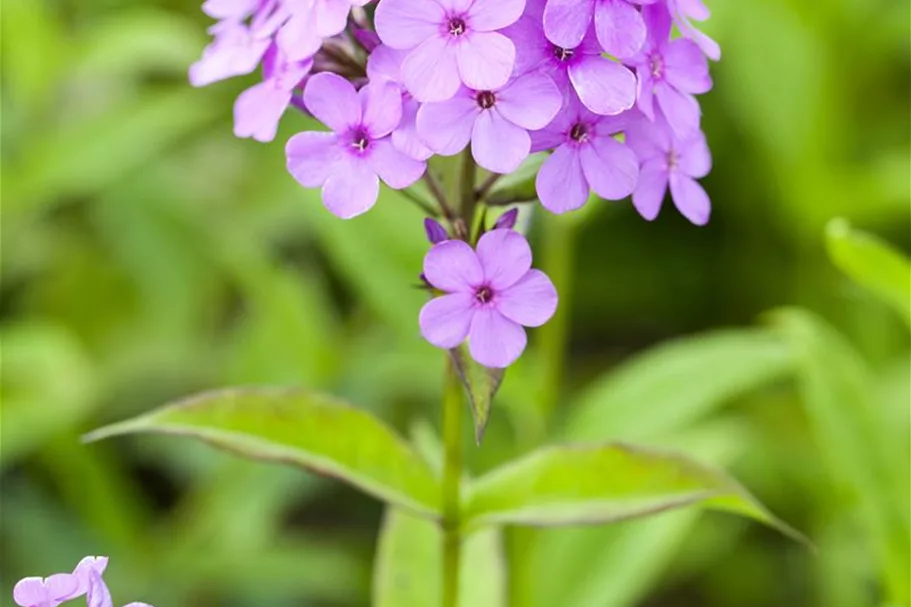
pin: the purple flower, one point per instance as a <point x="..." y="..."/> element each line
<point x="349" y="161"/>
<point x="667" y="161"/>
<point x="684" y="10"/>
<point x="234" y="51"/>
<point x="604" y="86"/>
<point x="490" y="295"/>
<point x="385" y="64"/>
<point x="671" y="72"/>
<point x="496" y="121"/>
<point x="618" y="25"/>
<point x="587" y="157"/>
<point x="310" y="22"/>
<point x="60" y="587"/>
<point x="450" y="42"/>
<point x="98" y="594"/>
<point x="258" y="110"/>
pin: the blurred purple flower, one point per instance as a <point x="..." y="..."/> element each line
<point x="604" y="86"/>
<point x="46" y="592"/>
<point x="618" y="25"/>
<point x="349" y="161"/>
<point x="450" y="42"/>
<point x="587" y="157"/>
<point x="234" y="51"/>
<point x="490" y="295"/>
<point x="671" y="72"/>
<point x="258" y="109"/>
<point x="98" y="594"/>
<point x="495" y="121"/>
<point x="667" y="161"/>
<point x="684" y="10"/>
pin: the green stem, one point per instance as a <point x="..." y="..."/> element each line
<point x="452" y="476"/>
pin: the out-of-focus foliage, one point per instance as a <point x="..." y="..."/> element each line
<point x="147" y="254"/>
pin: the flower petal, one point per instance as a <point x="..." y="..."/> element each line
<point x="567" y="21"/>
<point x="694" y="156"/>
<point x="430" y="72"/>
<point x="351" y="188"/>
<point x="258" y="111"/>
<point x="395" y="168"/>
<point x="406" y="137"/>
<point x="445" y="320"/>
<point x="605" y="87"/>
<point x="610" y="168"/>
<point x="497" y="144"/>
<point x="446" y="126"/>
<point x="311" y="156"/>
<point x="381" y="104"/>
<point x="330" y="16"/>
<point x="404" y="24"/>
<point x="333" y="101"/>
<point x="690" y="199"/>
<point x="530" y="302"/>
<point x="681" y="110"/>
<point x="650" y="190"/>
<point x="494" y="340"/>
<point x="648" y="139"/>
<point x="98" y="594"/>
<point x="561" y="184"/>
<point x="686" y="68"/>
<point x="530" y="101"/>
<point x="490" y="15"/>
<point x="619" y="27"/>
<point x="504" y="256"/>
<point x="453" y="266"/>
<point x="485" y="60"/>
<point x="84" y="569"/>
<point x="297" y="38"/>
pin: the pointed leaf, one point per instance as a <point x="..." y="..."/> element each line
<point x="568" y="485"/>
<point x="409" y="565"/>
<point x="871" y="263"/>
<point x="481" y="383"/>
<point x="312" y="431"/>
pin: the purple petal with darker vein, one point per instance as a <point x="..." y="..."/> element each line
<point x="650" y="190"/>
<point x="404" y="24"/>
<point x="445" y="321"/>
<point x="311" y="156"/>
<point x="395" y="168"/>
<point x="485" y="60"/>
<point x="561" y="184"/>
<point x="446" y="125"/>
<point x="531" y="301"/>
<point x="566" y="21"/>
<point x="351" y="188"/>
<point x="690" y="199"/>
<point x="504" y="256"/>
<point x="430" y="72"/>
<point x="619" y="28"/>
<point x="604" y="87"/>
<point x="530" y="101"/>
<point x="494" y="340"/>
<point x="610" y="168"/>
<point x="453" y="266"/>
<point x="491" y="15"/>
<point x="333" y="100"/>
<point x="381" y="104"/>
<point x="497" y="144"/>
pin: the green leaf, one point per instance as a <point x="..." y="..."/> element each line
<point x="481" y="383"/>
<point x="837" y="393"/>
<point x="872" y="263"/>
<point x="518" y="186"/>
<point x="569" y="485"/>
<point x="409" y="565"/>
<point x="675" y="384"/>
<point x="308" y="430"/>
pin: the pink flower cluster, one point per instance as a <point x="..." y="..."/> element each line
<point x="604" y="87"/>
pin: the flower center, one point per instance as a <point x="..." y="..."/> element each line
<point x="359" y="140"/>
<point x="456" y="26"/>
<point x="563" y="54"/>
<point x="579" y="132"/>
<point x="484" y="294"/>
<point x="486" y="99"/>
<point x="673" y="159"/>
<point x="656" y="64"/>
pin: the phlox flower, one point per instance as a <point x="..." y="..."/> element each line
<point x="60" y="587"/>
<point x="349" y="161"/>
<point x="497" y="122"/>
<point x="618" y="25"/>
<point x="683" y="11"/>
<point x="258" y="109"/>
<point x="604" y="86"/>
<point x="490" y="294"/>
<point x="586" y="157"/>
<point x="385" y="64"/>
<point x="670" y="72"/>
<point x="669" y="162"/>
<point x="309" y="22"/>
<point x="449" y="42"/>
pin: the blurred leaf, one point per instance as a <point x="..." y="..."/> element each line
<point x="35" y="50"/>
<point x="518" y="186"/>
<point x="295" y="427"/>
<point x="836" y="391"/>
<point x="676" y="383"/>
<point x="481" y="384"/>
<point x="408" y="567"/>
<point x="603" y="484"/>
<point x="48" y="386"/>
<point x="871" y="263"/>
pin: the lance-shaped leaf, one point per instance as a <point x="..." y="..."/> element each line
<point x="481" y="383"/>
<point x="296" y="427"/>
<point x="568" y="485"/>
<point x="871" y="263"/>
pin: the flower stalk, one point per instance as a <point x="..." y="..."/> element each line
<point x="452" y="474"/>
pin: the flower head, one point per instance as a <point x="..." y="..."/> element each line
<point x="618" y="25"/>
<point x="670" y="72"/>
<point x="450" y="42"/>
<point x="496" y="121"/>
<point x="490" y="294"/>
<point x="586" y="157"/>
<point x="349" y="162"/>
<point x="670" y="162"/>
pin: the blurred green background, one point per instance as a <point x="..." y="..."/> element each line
<point x="148" y="254"/>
